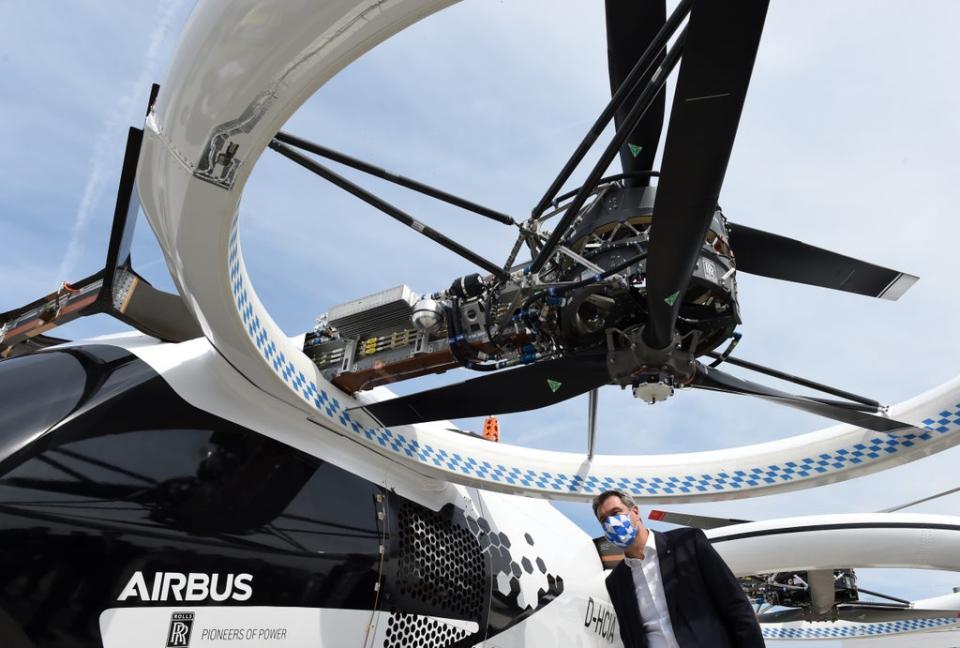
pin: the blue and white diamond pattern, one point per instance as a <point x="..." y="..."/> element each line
<point x="827" y="630"/>
<point x="621" y="528"/>
<point x="880" y="445"/>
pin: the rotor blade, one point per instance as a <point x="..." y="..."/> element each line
<point x="778" y="257"/>
<point x="691" y="520"/>
<point x="860" y="612"/>
<point x="716" y="380"/>
<point x="880" y="612"/>
<point x="571" y="211"/>
<point x="782" y="616"/>
<point x="631" y="27"/>
<point x="643" y="70"/>
<point x="511" y="390"/>
<point x="721" y="45"/>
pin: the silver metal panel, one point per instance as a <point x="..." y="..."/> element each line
<point x="898" y="286"/>
<point x="387" y="309"/>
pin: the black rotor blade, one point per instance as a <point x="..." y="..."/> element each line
<point x="881" y="612"/>
<point x="716" y="380"/>
<point x="720" y="48"/>
<point x="778" y="257"/>
<point x="631" y="27"/>
<point x="782" y="616"/>
<point x="512" y="390"/>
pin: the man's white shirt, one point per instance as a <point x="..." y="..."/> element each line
<point x="650" y="595"/>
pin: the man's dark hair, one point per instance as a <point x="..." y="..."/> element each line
<point x="602" y="497"/>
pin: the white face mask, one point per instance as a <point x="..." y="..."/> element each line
<point x="619" y="530"/>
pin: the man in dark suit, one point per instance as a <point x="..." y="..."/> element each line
<point x="672" y="590"/>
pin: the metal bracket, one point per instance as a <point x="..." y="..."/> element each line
<point x="420" y="344"/>
<point x="349" y="351"/>
<point x="626" y="363"/>
<point x="593" y="267"/>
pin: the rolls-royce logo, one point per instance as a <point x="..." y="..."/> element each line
<point x="181" y="625"/>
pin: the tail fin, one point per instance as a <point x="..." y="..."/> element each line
<point x="116" y="290"/>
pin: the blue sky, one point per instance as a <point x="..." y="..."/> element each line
<point x="848" y="141"/>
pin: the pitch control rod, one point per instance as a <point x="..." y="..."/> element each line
<point x="886" y="596"/>
<point x="390" y="210"/>
<point x="752" y="366"/>
<point x="638" y="75"/>
<point x="592" y="422"/>
<point x="644" y="101"/>
<point x="900" y="507"/>
<point x="389" y="176"/>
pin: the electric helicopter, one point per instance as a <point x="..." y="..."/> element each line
<point x="244" y="516"/>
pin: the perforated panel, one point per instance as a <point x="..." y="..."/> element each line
<point x="416" y="631"/>
<point x="440" y="564"/>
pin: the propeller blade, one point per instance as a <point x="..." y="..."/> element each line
<point x="880" y="612"/>
<point x="782" y="616"/>
<point x="718" y="55"/>
<point x="693" y="520"/>
<point x="859" y="612"/>
<point x="631" y="27"/>
<point x="716" y="380"/>
<point x="513" y="390"/>
<point x="778" y="257"/>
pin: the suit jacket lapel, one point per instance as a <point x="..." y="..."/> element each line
<point x="631" y="607"/>
<point x="668" y="560"/>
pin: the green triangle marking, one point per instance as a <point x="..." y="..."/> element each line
<point x="634" y="149"/>
<point x="672" y="299"/>
<point x="553" y="384"/>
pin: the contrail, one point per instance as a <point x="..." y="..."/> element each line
<point x="116" y="122"/>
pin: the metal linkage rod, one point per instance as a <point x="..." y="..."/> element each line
<point x="644" y="101"/>
<point x="592" y="422"/>
<point x="390" y="210"/>
<point x="900" y="507"/>
<point x="638" y="75"/>
<point x="378" y="172"/>
<point x="886" y="596"/>
<point x="752" y="366"/>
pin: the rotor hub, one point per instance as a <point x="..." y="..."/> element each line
<point x="654" y="388"/>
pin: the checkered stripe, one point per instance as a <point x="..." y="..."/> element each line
<point x="828" y="630"/>
<point x="879" y="445"/>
